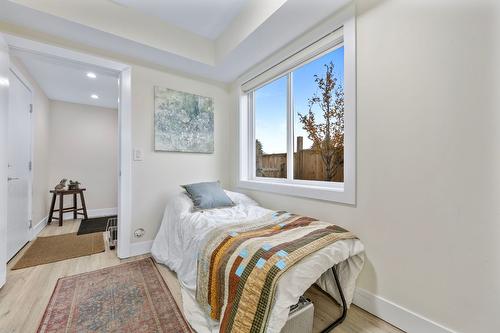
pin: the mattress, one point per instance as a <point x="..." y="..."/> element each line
<point x="181" y="234"/>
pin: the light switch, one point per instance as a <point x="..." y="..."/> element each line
<point x="138" y="154"/>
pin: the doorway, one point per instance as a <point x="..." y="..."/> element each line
<point x="19" y="165"/>
<point x="75" y="157"/>
<point x="10" y="42"/>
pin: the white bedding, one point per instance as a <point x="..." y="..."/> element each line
<point x="182" y="232"/>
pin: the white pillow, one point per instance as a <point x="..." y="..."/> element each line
<point x="241" y="199"/>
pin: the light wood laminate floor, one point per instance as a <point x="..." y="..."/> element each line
<point x="25" y="295"/>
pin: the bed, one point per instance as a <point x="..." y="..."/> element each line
<point x="181" y="236"/>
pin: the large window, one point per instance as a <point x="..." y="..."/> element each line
<point x="298" y="122"/>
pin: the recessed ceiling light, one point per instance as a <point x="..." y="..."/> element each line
<point x="91" y="75"/>
<point x="94" y="96"/>
<point x="4" y="81"/>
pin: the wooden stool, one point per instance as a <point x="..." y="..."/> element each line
<point x="62" y="210"/>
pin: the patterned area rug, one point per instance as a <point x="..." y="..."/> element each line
<point x="131" y="297"/>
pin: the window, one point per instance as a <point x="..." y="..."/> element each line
<point x="318" y="117"/>
<point x="297" y="122"/>
<point x="270" y="110"/>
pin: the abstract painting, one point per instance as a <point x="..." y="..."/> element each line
<point x="183" y="122"/>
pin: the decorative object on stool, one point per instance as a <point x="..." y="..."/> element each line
<point x="74" y="185"/>
<point x="61" y="185"/>
<point x="62" y="210"/>
<point x="132" y="297"/>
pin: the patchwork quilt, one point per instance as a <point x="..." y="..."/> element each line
<point x="239" y="266"/>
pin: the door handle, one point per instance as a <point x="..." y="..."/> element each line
<point x="12" y="178"/>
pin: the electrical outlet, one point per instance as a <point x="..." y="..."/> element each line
<point x="138" y="233"/>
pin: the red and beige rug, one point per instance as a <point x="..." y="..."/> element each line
<point x="131" y="297"/>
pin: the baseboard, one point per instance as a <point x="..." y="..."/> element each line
<point x="93" y="213"/>
<point x="102" y="212"/>
<point x="34" y="231"/>
<point x="396" y="315"/>
<point x="139" y="248"/>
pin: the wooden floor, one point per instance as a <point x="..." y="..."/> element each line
<point x="25" y="295"/>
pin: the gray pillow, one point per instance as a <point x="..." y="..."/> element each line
<point x="207" y="195"/>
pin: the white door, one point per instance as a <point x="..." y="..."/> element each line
<point x="19" y="165"/>
<point x="4" y="106"/>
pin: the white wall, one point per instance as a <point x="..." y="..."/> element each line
<point x="40" y="147"/>
<point x="160" y="174"/>
<point x="84" y="146"/>
<point x="428" y="179"/>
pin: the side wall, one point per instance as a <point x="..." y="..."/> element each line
<point x="83" y="146"/>
<point x="428" y="178"/>
<point x="40" y="147"/>
<point x="159" y="175"/>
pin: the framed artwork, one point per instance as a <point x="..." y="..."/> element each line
<point x="183" y="122"/>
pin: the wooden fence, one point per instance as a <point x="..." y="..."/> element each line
<point x="307" y="165"/>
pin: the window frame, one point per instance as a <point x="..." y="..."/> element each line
<point x="323" y="190"/>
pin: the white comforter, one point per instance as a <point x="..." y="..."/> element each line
<point x="182" y="232"/>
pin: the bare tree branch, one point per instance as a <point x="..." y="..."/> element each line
<point x="328" y="136"/>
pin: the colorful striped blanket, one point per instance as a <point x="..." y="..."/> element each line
<point x="239" y="266"/>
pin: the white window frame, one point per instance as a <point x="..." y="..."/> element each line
<point x="341" y="35"/>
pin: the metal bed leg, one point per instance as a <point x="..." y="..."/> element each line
<point x="342" y="317"/>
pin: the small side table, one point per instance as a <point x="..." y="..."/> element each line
<point x="62" y="210"/>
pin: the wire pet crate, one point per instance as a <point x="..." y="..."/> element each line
<point x="112" y="232"/>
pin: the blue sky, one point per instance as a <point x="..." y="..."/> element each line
<point x="270" y="102"/>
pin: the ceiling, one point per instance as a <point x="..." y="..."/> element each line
<point x="67" y="81"/>
<point x="214" y="39"/>
<point x="208" y="18"/>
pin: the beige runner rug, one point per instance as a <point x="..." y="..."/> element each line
<point x="49" y="249"/>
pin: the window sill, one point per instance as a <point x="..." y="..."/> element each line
<point x="335" y="193"/>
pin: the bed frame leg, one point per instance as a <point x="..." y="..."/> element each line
<point x="343" y="315"/>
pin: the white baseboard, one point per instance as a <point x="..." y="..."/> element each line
<point x="140" y="248"/>
<point x="396" y="315"/>
<point x="93" y="213"/>
<point x="35" y="230"/>
<point x="102" y="212"/>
